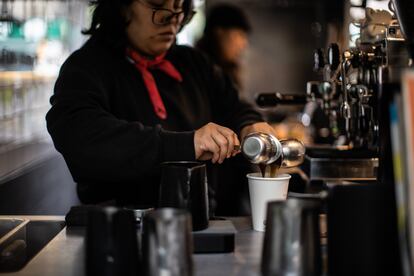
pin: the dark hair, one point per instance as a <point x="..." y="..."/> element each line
<point x="226" y="16"/>
<point x="109" y="21"/>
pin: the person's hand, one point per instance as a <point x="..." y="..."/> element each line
<point x="215" y="142"/>
<point x="257" y="127"/>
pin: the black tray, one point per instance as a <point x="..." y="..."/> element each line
<point x="217" y="238"/>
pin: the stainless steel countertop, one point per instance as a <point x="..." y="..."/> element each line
<point x="64" y="255"/>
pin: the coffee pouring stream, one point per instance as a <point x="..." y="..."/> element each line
<point x="265" y="149"/>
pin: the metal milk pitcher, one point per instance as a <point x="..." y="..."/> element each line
<point x="263" y="148"/>
<point x="291" y="244"/>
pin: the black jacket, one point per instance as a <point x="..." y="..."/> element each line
<point x="102" y="120"/>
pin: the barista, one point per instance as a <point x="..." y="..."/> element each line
<point x="130" y="99"/>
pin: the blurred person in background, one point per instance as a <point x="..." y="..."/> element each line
<point x="225" y="39"/>
<point x="130" y="99"/>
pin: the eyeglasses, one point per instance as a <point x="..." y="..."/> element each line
<point x="161" y="16"/>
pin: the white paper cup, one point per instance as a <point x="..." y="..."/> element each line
<point x="262" y="190"/>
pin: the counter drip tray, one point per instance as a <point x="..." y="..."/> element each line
<point x="21" y="240"/>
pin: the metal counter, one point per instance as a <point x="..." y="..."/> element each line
<point x="64" y="255"/>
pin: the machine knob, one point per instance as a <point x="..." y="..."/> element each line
<point x="346" y="110"/>
<point x="334" y="56"/>
<point x="318" y="59"/>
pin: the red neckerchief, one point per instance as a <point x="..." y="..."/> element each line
<point x="143" y="64"/>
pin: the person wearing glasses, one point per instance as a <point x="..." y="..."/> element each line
<point x="130" y="99"/>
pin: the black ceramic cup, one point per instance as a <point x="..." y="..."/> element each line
<point x="184" y="186"/>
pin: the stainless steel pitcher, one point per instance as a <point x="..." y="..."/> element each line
<point x="264" y="148"/>
<point x="292" y="239"/>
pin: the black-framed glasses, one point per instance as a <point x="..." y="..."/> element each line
<point x="161" y="16"/>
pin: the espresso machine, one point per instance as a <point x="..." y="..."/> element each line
<point x="349" y="97"/>
<point x="364" y="234"/>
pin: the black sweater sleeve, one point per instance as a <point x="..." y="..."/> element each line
<point x="98" y="146"/>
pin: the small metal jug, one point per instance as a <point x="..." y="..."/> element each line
<point x="263" y="148"/>
<point x="291" y="244"/>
